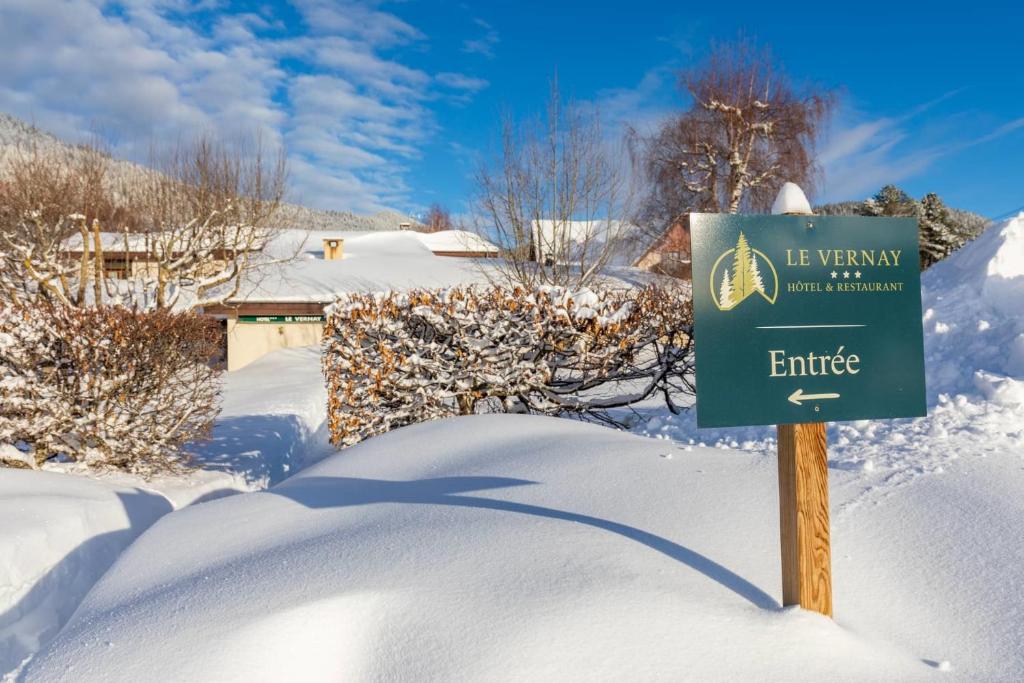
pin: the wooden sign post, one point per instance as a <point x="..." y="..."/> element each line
<point x="800" y="320"/>
<point x="803" y="488"/>
<point x="803" y="517"/>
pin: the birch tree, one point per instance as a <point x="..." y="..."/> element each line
<point x="747" y="130"/>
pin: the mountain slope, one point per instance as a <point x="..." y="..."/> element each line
<point x="16" y="134"/>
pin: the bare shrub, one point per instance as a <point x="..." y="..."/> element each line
<point x="397" y="359"/>
<point x="105" y="386"/>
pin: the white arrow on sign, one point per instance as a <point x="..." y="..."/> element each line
<point x="799" y="395"/>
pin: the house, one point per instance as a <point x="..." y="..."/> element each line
<point x="669" y="254"/>
<point x="283" y="305"/>
<point x="124" y="255"/>
<point x="130" y="255"/>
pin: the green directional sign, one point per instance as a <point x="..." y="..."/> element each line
<point x="806" y="319"/>
<point x="281" y="318"/>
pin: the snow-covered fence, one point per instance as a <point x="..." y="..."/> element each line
<point x="400" y="358"/>
<point x="108" y="386"/>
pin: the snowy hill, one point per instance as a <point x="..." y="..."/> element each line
<point x="16" y="134"/>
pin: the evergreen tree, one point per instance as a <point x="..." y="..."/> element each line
<point x="891" y="201"/>
<point x="942" y="230"/>
<point x="725" y="299"/>
<point x="756" y="282"/>
<point x="741" y="280"/>
<point x="938" y="237"/>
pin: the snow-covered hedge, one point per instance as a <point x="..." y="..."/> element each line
<point x="106" y="386"/>
<point x="401" y="358"/>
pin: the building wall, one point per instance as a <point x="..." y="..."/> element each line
<point x="467" y="254"/>
<point x="249" y="341"/>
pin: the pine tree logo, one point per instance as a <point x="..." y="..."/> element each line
<point x="737" y="274"/>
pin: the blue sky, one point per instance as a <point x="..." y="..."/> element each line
<point x="392" y="104"/>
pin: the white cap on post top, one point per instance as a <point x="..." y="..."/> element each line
<point x="791" y="200"/>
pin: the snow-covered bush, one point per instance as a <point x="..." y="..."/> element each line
<point x="109" y="387"/>
<point x="400" y="358"/>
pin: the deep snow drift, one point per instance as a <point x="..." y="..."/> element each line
<point x="482" y="548"/>
<point x="57" y="537"/>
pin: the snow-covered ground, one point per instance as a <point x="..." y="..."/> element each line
<point x="57" y="536"/>
<point x="528" y="548"/>
<point x="484" y="548"/>
<point x="271" y="424"/>
<point x="60" y="533"/>
<point x="513" y="547"/>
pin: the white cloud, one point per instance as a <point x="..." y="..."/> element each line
<point x="642" y="107"/>
<point x="485" y="43"/>
<point x="351" y="116"/>
<point x="457" y="81"/>
<point x="861" y="154"/>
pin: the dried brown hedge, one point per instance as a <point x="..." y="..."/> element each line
<point x="401" y="358"/>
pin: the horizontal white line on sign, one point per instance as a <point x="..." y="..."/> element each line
<point x="800" y="327"/>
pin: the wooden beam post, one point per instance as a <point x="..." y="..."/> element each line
<point x="803" y="489"/>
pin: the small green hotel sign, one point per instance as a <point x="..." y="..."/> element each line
<point x="280" y="318"/>
<point x="806" y="319"/>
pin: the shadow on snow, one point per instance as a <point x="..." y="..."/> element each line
<point x="327" y="492"/>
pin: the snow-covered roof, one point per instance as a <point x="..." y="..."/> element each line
<point x="112" y="241"/>
<point x="371" y="262"/>
<point x="457" y="240"/>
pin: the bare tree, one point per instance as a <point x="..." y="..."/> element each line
<point x="47" y="197"/>
<point x="748" y="130"/>
<point x="438" y="218"/>
<point x="554" y="199"/>
<point x="210" y="211"/>
<point x="190" y="228"/>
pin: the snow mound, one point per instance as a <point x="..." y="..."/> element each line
<point x="974" y="311"/>
<point x="791" y="199"/>
<point x="58" y="535"/>
<point x="480" y="548"/>
<point x="992" y="265"/>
